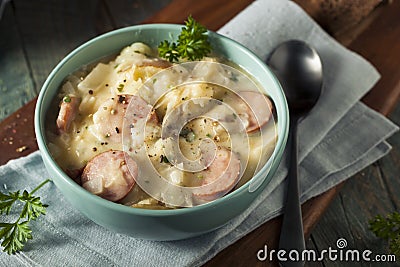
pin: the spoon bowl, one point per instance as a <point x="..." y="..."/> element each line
<point x="299" y="69"/>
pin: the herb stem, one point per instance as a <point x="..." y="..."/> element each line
<point x="40" y="185"/>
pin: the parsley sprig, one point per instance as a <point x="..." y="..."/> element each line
<point x="192" y="43"/>
<point x="389" y="229"/>
<point x="16" y="234"/>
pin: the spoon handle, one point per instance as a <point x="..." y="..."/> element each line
<point x="292" y="235"/>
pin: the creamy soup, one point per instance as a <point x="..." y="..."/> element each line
<point x="143" y="132"/>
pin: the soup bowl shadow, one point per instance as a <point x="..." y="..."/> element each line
<point x="158" y="224"/>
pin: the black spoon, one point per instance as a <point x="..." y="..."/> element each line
<point x="299" y="70"/>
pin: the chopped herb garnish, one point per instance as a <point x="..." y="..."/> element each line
<point x="233" y="78"/>
<point x="208" y="135"/>
<point x="190" y="136"/>
<point x="120" y="87"/>
<point x="184" y="132"/>
<point x="67" y="99"/>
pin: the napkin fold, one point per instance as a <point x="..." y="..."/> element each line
<point x="340" y="137"/>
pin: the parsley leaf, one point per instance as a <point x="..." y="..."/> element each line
<point x="16" y="234"/>
<point x="192" y="43"/>
<point x="388" y="228"/>
<point x="168" y="51"/>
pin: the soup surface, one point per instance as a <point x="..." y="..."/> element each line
<point x="143" y="132"/>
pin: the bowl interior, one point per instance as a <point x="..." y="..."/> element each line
<point x="152" y="34"/>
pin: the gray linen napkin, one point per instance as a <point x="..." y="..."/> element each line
<point x="339" y="138"/>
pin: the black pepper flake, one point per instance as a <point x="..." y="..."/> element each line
<point x="94" y="149"/>
<point x="131" y="126"/>
<point x="117" y="130"/>
<point x="121" y="98"/>
<point x="124" y="81"/>
<point x="106" y="84"/>
<point x="90" y="92"/>
<point x="102" y="143"/>
<point x="106" y="143"/>
<point x="113" y="152"/>
<point x="78" y="131"/>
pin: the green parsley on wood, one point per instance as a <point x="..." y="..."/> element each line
<point x="388" y="228"/>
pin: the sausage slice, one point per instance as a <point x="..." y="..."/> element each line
<point x="111" y="116"/>
<point x="68" y="110"/>
<point x="258" y="110"/>
<point x="108" y="175"/>
<point x="156" y="62"/>
<point x="220" y="177"/>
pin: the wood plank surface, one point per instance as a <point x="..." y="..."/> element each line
<point x="375" y="190"/>
<point x="41" y="52"/>
<point x="212" y="14"/>
<point x="15" y="80"/>
<point x="58" y="28"/>
<point x="140" y="11"/>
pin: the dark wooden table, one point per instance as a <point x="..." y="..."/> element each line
<point x="35" y="35"/>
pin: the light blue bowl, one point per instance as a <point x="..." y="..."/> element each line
<point x="157" y="224"/>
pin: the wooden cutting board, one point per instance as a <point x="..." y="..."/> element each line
<point x="376" y="38"/>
